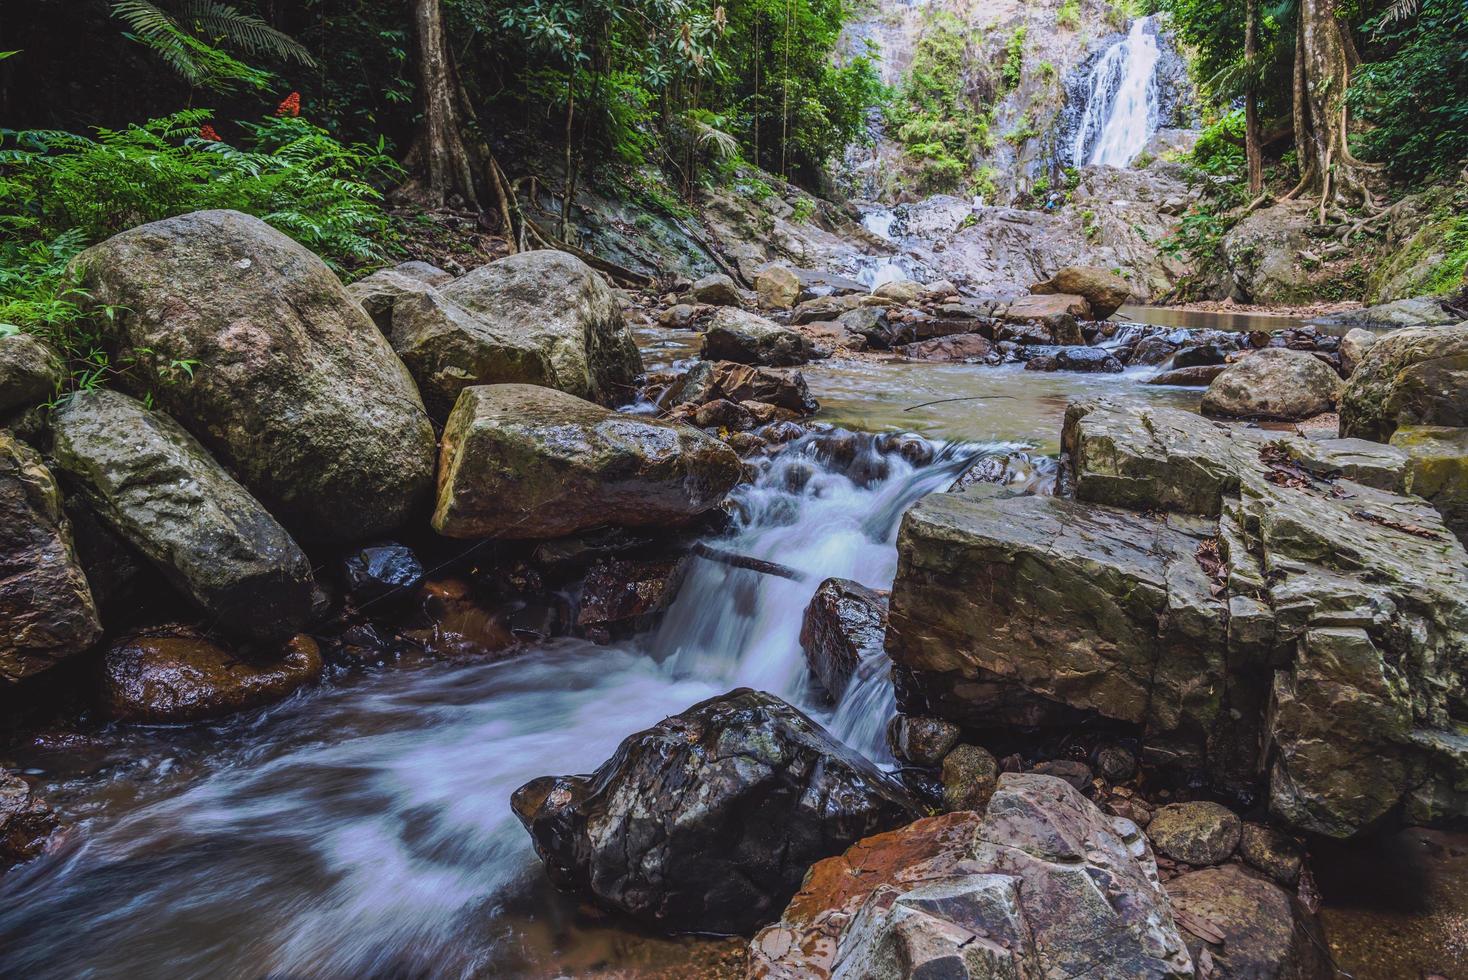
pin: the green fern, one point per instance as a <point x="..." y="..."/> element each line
<point x="194" y="58"/>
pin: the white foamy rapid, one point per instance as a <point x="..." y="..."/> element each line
<point x="363" y="828"/>
<point x="1122" y="101"/>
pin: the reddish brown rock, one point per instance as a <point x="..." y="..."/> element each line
<point x="957" y="347"/>
<point x="25" y="819"/>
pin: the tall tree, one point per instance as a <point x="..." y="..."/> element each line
<point x="1325" y="57"/>
<point x="439" y="161"/>
<point x="1252" y="150"/>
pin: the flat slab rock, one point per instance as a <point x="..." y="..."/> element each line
<point x="1040" y="884"/>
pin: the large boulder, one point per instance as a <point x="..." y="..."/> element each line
<point x="30" y="372"/>
<point x="842" y="630"/>
<point x="1255" y="929"/>
<point x="155" y="486"/>
<point x="284" y="375"/>
<point x="1437" y="469"/>
<point x="715" y="289"/>
<point x="778" y="287"/>
<point x="520" y="461"/>
<point x="46" y="607"/>
<point x="1104" y="290"/>
<point x="1353" y="348"/>
<point x="1416" y="376"/>
<point x="1274" y="383"/>
<point x="447" y="349"/>
<point x="556" y="302"/>
<point x="1262" y="254"/>
<point x="707" y="821"/>
<point x="1040" y="884"/>
<point x="748" y="338"/>
<point x="174" y="676"/>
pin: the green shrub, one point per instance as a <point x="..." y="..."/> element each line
<point x="1014" y="60"/>
<point x="1220" y="148"/>
<point x="1069" y="16"/>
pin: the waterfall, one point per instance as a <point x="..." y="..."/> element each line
<point x="1121" y="108"/>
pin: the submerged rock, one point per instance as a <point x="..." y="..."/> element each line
<point x="26" y="820"/>
<point x="1274" y="383"/>
<point x="556" y="303"/>
<point x="30" y="372"/>
<point x="748" y="338"/>
<point x="1416" y="376"/>
<point x="520" y="461"/>
<point x="156" y="487"/>
<point x="707" y="821"/>
<point x="290" y="383"/>
<point x="842" y="629"/>
<point x="1040" y="884"/>
<point x="178" y="676"/>
<point x="46" y="609"/>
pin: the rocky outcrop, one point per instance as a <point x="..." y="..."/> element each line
<point x="1262" y="254"/>
<point x="1416" y="376"/>
<point x="747" y="338"/>
<point x="1274" y="383"/>
<point x="156" y="487"/>
<point x="525" y="462"/>
<point x="1039" y="884"/>
<point x="286" y="380"/>
<point x="176" y="676"/>
<point x="30" y="372"/>
<point x="1256" y="930"/>
<point x="1323" y="619"/>
<point x="555" y="302"/>
<point x="1104" y="291"/>
<point x="675" y="828"/>
<point x="46" y="607"/>
<point x="842" y="630"/>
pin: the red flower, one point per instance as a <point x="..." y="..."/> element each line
<point x="291" y="106"/>
<point x="206" y="132"/>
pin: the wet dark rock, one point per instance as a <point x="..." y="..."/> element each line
<point x="520" y="461"/>
<point x="176" y="676"/>
<point x="1077" y="774"/>
<point x="1199" y="833"/>
<point x="1198" y="376"/>
<point x="676" y="828"/>
<point x="557" y="304"/>
<point x="1041" y="884"/>
<point x="1275" y="383"/>
<point x="716" y="290"/>
<point x="1094" y="359"/>
<point x="619" y="590"/>
<point x="1262" y="932"/>
<point x="30" y="372"/>
<point x="1152" y="350"/>
<point x="964" y="347"/>
<point x="1200" y="353"/>
<point x="842" y="629"/>
<point x="1116" y="764"/>
<point x="1415" y="376"/>
<point x="377" y="571"/>
<point x="46" y="608"/>
<point x="296" y="391"/>
<point x="26" y="820"/>
<point x="1042" y="362"/>
<point x="155" y="486"/>
<point x="748" y="338"/>
<point x="970" y="776"/>
<point x="921" y="740"/>
<point x="1268" y="850"/>
<point x="723" y="414"/>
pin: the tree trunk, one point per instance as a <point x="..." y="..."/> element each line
<point x="1323" y="60"/>
<point x="441" y="167"/>
<point x="1252" y="148"/>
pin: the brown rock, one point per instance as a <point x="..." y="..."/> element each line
<point x="970" y="775"/>
<point x="1249" y="927"/>
<point x="958" y="347"/>
<point x="1105" y="291"/>
<point x="25" y="819"/>
<point x="1198" y="833"/>
<point x="1055" y="304"/>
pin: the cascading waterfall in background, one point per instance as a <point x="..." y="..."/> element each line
<point x="1122" y="102"/>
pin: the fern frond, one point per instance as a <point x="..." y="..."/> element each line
<point x="244" y="31"/>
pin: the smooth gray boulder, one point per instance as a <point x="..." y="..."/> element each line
<point x="155" y="486"/>
<point x="46" y="609"/>
<point x="1039" y="884"/>
<point x="1274" y="383"/>
<point x="556" y="302"/>
<point x="748" y="338"/>
<point x="447" y="349"/>
<point x="520" y="461"/>
<point x="707" y="821"/>
<point x="1415" y="376"/>
<point x="30" y="372"/>
<point x="254" y="346"/>
<point x="1353" y="348"/>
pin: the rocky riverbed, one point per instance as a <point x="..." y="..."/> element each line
<point x="1101" y="644"/>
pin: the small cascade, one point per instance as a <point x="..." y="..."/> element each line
<point x="1122" y="100"/>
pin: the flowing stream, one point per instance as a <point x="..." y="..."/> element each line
<point x="1122" y="102"/>
<point x="363" y="828"/>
